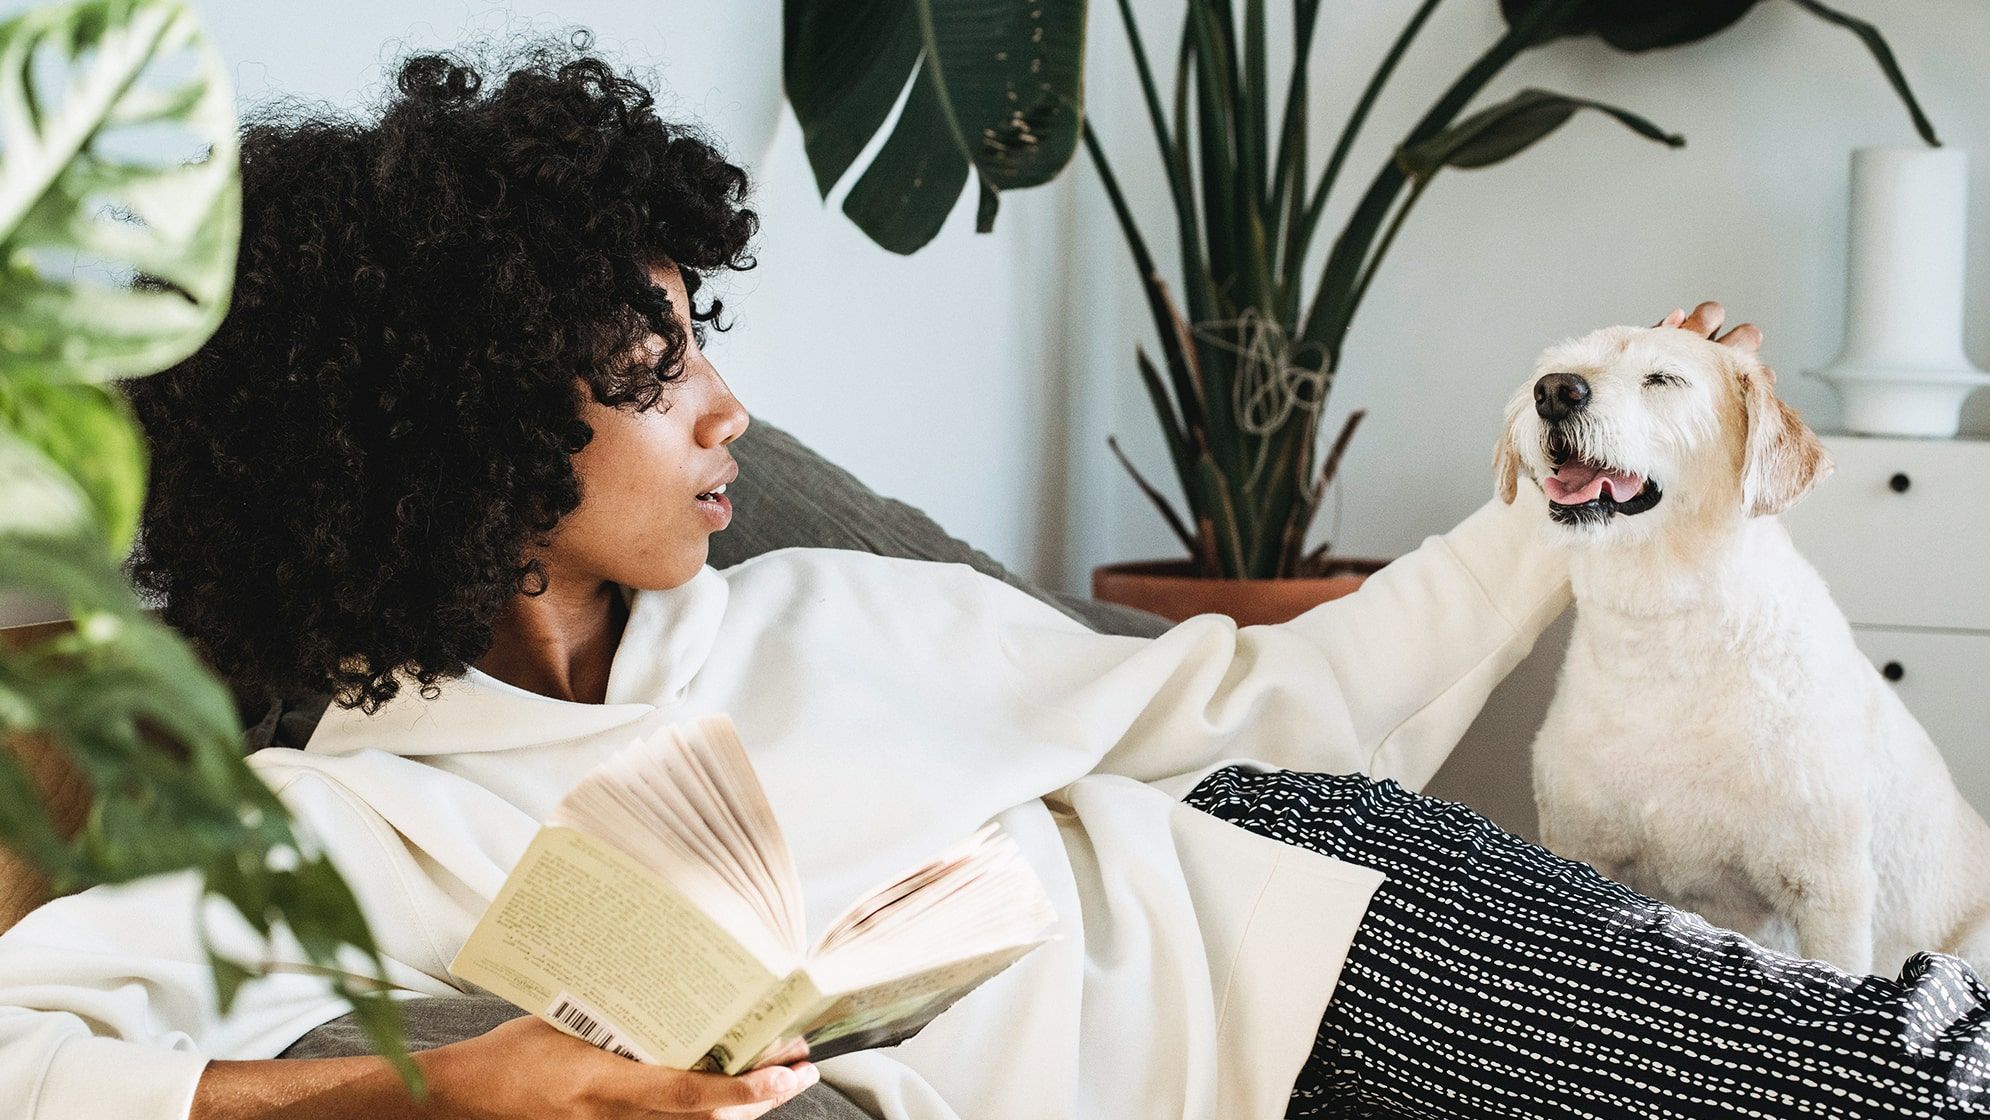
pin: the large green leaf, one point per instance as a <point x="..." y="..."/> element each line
<point x="87" y="431"/>
<point x="1642" y="25"/>
<point x="66" y="184"/>
<point x="103" y="690"/>
<point x="1511" y="127"/>
<point x="152" y="733"/>
<point x="995" y="91"/>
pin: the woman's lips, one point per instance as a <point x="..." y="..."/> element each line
<point x="716" y="506"/>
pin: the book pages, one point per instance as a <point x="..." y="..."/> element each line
<point x="578" y="916"/>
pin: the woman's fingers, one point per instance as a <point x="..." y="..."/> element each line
<point x="1747" y="337"/>
<point x="678" y="1092"/>
<point x="1705" y="319"/>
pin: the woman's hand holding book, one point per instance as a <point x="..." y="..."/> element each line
<point x="524" y="1070"/>
<point x="528" y="1070"/>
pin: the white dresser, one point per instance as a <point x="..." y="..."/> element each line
<point x="1902" y="534"/>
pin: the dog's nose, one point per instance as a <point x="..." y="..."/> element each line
<point x="1559" y="396"/>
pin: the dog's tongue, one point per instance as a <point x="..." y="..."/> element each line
<point x="1579" y="482"/>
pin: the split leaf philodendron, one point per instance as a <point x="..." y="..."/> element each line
<point x="118" y="265"/>
<point x="994" y="92"/>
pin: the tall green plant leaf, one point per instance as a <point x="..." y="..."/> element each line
<point x="86" y="431"/>
<point x="1640" y="25"/>
<point x="995" y="91"/>
<point x="175" y="220"/>
<point x="1890" y="66"/>
<point x="1643" y="25"/>
<point x="154" y="736"/>
<point x="1505" y="130"/>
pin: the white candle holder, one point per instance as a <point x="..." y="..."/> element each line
<point x="1902" y="371"/>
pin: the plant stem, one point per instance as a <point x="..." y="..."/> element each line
<point x="1299" y="238"/>
<point x="1179" y="362"/>
<point x="1388" y="238"/>
<point x="1288" y="185"/>
<point x="1174" y="160"/>
<point x="1331" y="312"/>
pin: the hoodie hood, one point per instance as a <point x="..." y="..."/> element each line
<point x="668" y="635"/>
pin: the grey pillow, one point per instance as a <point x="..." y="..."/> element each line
<point x="786" y="496"/>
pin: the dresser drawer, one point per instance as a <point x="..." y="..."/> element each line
<point x="1902" y="531"/>
<point x="1944" y="678"/>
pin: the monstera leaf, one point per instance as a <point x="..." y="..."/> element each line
<point x="175" y="220"/>
<point x="1642" y="25"/>
<point x="995" y="93"/>
<point x="85" y="88"/>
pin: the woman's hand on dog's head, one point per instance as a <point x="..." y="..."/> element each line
<point x="1705" y="319"/>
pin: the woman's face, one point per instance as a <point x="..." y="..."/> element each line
<point x="647" y="510"/>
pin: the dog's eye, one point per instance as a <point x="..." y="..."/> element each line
<point x="1652" y="379"/>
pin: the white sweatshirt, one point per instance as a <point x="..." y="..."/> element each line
<point x="891" y="707"/>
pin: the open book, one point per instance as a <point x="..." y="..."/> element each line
<point x="658" y="915"/>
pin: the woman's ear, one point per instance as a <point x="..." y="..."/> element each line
<point x="1781" y="457"/>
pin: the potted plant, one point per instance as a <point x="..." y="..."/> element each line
<point x="110" y="704"/>
<point x="1249" y="348"/>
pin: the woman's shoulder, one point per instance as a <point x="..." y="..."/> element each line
<point x="814" y="567"/>
<point x="809" y="579"/>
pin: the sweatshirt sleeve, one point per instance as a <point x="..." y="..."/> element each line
<point x="107" y="1002"/>
<point x="106" y="1008"/>
<point x="1384" y="681"/>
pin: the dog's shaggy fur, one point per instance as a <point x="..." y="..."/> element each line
<point x="1716" y="739"/>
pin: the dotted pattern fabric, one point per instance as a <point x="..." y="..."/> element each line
<point x="1493" y="978"/>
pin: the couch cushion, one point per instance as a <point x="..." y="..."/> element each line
<point x="788" y="495"/>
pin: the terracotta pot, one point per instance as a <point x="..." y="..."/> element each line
<point x="1171" y="588"/>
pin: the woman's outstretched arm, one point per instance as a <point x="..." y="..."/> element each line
<point x="1384" y="681"/>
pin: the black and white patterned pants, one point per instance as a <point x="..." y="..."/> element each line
<point x="1492" y="978"/>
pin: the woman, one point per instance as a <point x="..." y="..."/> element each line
<point x="456" y="455"/>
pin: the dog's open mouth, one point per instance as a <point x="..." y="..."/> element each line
<point x="1584" y="490"/>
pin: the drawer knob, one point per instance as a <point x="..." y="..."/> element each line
<point x="1900" y="482"/>
<point x="1893" y="670"/>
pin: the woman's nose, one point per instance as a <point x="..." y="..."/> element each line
<point x="725" y="420"/>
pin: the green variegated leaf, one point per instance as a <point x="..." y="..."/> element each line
<point x="64" y="188"/>
<point x="151" y="732"/>
<point x="36" y="496"/>
<point x="87" y="431"/>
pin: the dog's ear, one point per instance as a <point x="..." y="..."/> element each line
<point x="1781" y="457"/>
<point x="1506" y="464"/>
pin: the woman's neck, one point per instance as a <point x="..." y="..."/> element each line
<point x="561" y="643"/>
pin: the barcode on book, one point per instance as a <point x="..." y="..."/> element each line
<point x="589" y="1026"/>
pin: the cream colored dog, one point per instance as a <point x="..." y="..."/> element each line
<point x="1716" y="740"/>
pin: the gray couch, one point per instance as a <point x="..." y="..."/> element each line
<point x="786" y="495"/>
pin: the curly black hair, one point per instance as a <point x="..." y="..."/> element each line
<point x="347" y="476"/>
